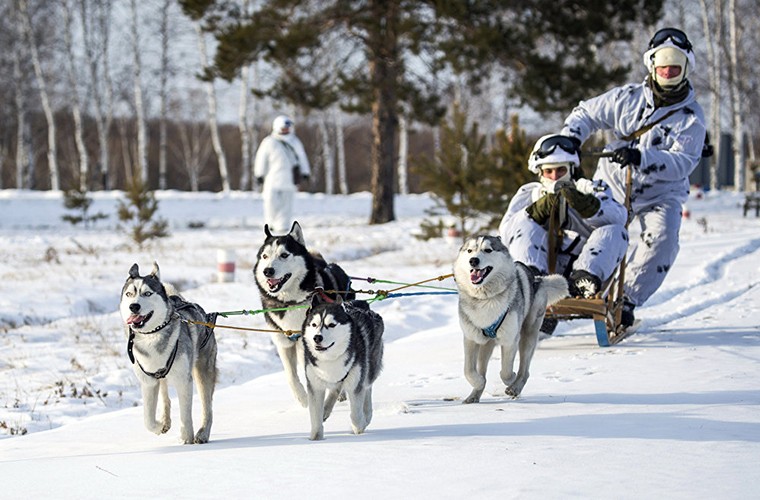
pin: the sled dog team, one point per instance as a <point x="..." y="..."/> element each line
<point x="337" y="339"/>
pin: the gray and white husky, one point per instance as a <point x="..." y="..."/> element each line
<point x="343" y="344"/>
<point x="165" y="349"/>
<point x="288" y="275"/>
<point x="501" y="303"/>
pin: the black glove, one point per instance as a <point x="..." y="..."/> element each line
<point x="587" y="205"/>
<point x="260" y="181"/>
<point x="541" y="209"/>
<point x="627" y="156"/>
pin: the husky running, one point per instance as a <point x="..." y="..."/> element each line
<point x="501" y="303"/>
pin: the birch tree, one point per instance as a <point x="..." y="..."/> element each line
<point x="96" y="26"/>
<point x="327" y="154"/>
<point x="212" y="120"/>
<point x="340" y="149"/>
<point x="737" y="144"/>
<point x="713" y="33"/>
<point x="162" y="93"/>
<point x="403" y="151"/>
<point x="44" y="98"/>
<point x="74" y="93"/>
<point x="142" y="139"/>
<point x="23" y="147"/>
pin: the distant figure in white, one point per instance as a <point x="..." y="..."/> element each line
<point x="280" y="165"/>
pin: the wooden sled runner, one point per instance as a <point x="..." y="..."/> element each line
<point x="606" y="308"/>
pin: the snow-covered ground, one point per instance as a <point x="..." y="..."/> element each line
<point x="671" y="412"/>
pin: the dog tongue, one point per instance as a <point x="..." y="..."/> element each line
<point x="476" y="275"/>
<point x="135" y="318"/>
<point x="273" y="282"/>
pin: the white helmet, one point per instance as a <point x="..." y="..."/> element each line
<point x="669" y="47"/>
<point x="554" y="149"/>
<point x="282" y="125"/>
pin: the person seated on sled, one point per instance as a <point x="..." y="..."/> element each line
<point x="659" y="130"/>
<point x="594" y="238"/>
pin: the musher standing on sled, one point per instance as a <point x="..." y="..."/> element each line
<point x="594" y="240"/>
<point x="659" y="132"/>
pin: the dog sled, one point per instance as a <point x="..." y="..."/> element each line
<point x="606" y="308"/>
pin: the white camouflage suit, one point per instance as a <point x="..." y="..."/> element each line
<point x="596" y="244"/>
<point x="277" y="155"/>
<point x="670" y="151"/>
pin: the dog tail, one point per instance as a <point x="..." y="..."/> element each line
<point x="556" y="288"/>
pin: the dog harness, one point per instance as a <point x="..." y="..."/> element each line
<point x="179" y="304"/>
<point x="490" y="331"/>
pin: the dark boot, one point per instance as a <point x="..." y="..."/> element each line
<point x="626" y="317"/>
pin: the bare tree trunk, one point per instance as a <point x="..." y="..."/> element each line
<point x="403" y="151"/>
<point x="383" y="72"/>
<point x="737" y="145"/>
<point x="51" y="153"/>
<point x="162" y="93"/>
<point x="142" y="139"/>
<point x="327" y="154"/>
<point x="340" y="148"/>
<point x="713" y="35"/>
<point x="75" y="107"/>
<point x="22" y="127"/>
<point x="89" y="42"/>
<point x="126" y="154"/>
<point x="105" y="30"/>
<point x="254" y="129"/>
<point x="212" y="122"/>
<point x="245" y="135"/>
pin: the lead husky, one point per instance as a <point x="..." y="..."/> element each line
<point x="500" y="303"/>
<point x="287" y="276"/>
<point x="165" y="349"/>
<point x="343" y="344"/>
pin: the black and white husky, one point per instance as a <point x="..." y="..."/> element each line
<point x="166" y="349"/>
<point x="501" y="303"/>
<point x="343" y="344"/>
<point x="287" y="276"/>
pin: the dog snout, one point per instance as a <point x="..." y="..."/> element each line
<point x="474" y="262"/>
<point x="268" y="272"/>
<point x="134" y="307"/>
<point x="318" y="339"/>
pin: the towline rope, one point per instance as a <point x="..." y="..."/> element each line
<point x="379" y="295"/>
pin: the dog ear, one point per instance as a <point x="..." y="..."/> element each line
<point x="315" y="300"/>
<point x="267" y="232"/>
<point x="134" y="271"/>
<point x="296" y="233"/>
<point x="155" y="272"/>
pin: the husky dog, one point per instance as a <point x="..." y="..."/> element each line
<point x="166" y="349"/>
<point x="287" y="275"/>
<point x="343" y="343"/>
<point x="502" y="303"/>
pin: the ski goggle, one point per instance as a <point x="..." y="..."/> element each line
<point x="550" y="144"/>
<point x="677" y="36"/>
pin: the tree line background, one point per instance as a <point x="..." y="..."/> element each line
<point x="94" y="93"/>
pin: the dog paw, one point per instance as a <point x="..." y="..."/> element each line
<point x="165" y="426"/>
<point x="474" y="397"/>
<point x="513" y="391"/>
<point x="317" y="436"/>
<point x="358" y="429"/>
<point x="201" y="436"/>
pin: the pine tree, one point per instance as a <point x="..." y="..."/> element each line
<point x="551" y="47"/>
<point x="470" y="184"/>
<point x="78" y="201"/>
<point x="138" y="213"/>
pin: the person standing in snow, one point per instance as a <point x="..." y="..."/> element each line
<point x="594" y="237"/>
<point x="280" y="165"/>
<point x="659" y="131"/>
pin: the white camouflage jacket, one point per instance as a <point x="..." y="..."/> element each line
<point x="670" y="151"/>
